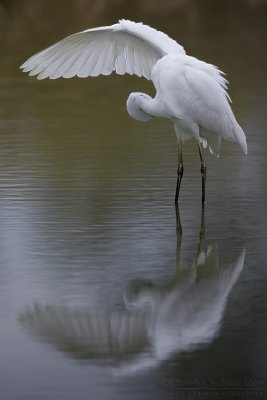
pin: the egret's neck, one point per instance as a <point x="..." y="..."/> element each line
<point x="140" y="106"/>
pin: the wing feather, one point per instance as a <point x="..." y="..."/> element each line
<point x="129" y="51"/>
<point x="101" y="62"/>
<point x="96" y="49"/>
<point x="46" y="57"/>
<point x="54" y="64"/>
<point x="62" y="69"/>
<point x="110" y="59"/>
<point x="137" y="63"/>
<point x="68" y="68"/>
<point x="120" y="64"/>
<point x="211" y="109"/>
<point x="125" y="47"/>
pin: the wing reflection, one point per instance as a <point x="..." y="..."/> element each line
<point x="156" y="321"/>
<point x="109" y="337"/>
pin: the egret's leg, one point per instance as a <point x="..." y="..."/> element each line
<point x="178" y="223"/>
<point x="201" y="230"/>
<point x="203" y="170"/>
<point x="178" y="240"/>
<point x="180" y="171"/>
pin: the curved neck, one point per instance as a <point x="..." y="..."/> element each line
<point x="139" y="106"/>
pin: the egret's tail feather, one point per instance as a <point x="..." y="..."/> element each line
<point x="232" y="131"/>
<point x="240" y="138"/>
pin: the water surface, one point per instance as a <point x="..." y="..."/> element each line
<point x="99" y="295"/>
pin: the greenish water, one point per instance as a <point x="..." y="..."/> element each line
<point x="98" y="296"/>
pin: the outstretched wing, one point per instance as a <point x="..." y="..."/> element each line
<point x="125" y="47"/>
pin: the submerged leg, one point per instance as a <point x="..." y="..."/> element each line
<point x="180" y="170"/>
<point x="203" y="170"/>
<point x="201" y="241"/>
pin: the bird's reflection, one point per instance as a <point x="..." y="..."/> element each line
<point x="155" y="323"/>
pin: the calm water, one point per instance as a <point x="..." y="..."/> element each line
<point x="99" y="296"/>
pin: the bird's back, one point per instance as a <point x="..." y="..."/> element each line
<point x="194" y="95"/>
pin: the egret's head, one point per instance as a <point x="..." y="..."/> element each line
<point x="136" y="105"/>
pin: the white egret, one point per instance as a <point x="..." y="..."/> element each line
<point x="190" y="92"/>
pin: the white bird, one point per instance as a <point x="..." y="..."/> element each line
<point x="190" y="92"/>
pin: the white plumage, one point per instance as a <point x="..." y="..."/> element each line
<point x="190" y="92"/>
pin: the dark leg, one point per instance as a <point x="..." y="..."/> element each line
<point x="178" y="222"/>
<point x="180" y="171"/>
<point x="203" y="171"/>
<point x="178" y="238"/>
<point x="201" y="230"/>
